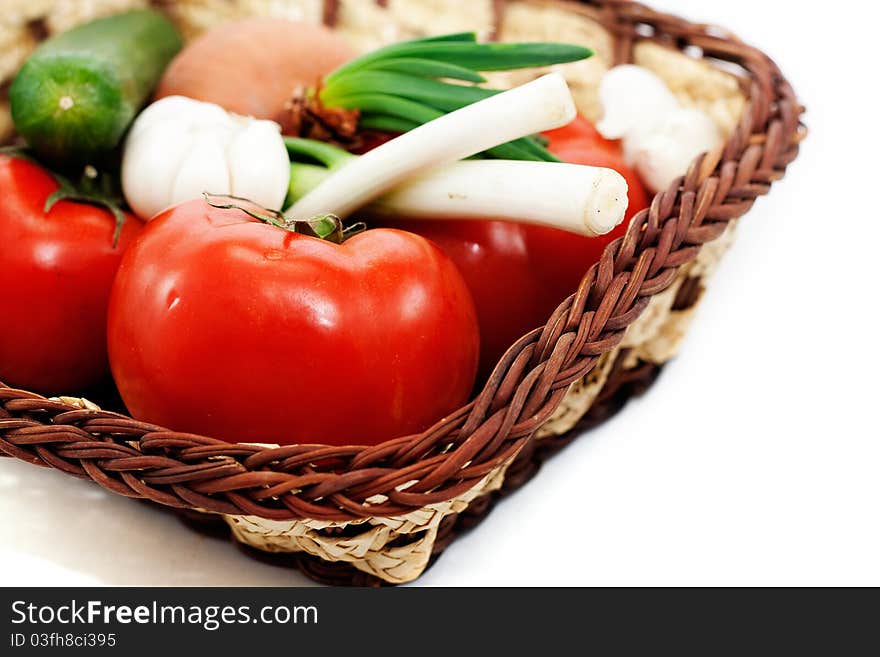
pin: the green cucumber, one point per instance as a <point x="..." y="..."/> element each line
<point x="76" y="95"/>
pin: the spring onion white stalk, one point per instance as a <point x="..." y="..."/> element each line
<point x="544" y="104"/>
<point x="586" y="200"/>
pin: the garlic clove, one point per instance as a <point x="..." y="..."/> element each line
<point x="659" y="160"/>
<point x="660" y="138"/>
<point x="259" y="166"/>
<point x="149" y="167"/>
<point x="204" y="169"/>
<point x="693" y="129"/>
<point x="634" y="100"/>
<point x="171" y="109"/>
<point x="666" y="154"/>
<point x="180" y="148"/>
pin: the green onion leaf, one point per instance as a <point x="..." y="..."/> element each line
<point x="441" y="95"/>
<point x="425" y="68"/>
<point x="327" y="154"/>
<point x="402" y="108"/>
<point x="475" y="56"/>
<point x="470" y="37"/>
<point x="403" y="85"/>
<point x="537" y="149"/>
<point x="498" y="56"/>
<point x="388" y="52"/>
<point x="522" y="149"/>
<point x="386" y="123"/>
<point x="303" y="179"/>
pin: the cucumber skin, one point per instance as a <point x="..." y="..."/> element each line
<point x="108" y="67"/>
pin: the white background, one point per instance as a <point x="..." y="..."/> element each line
<point x="753" y="461"/>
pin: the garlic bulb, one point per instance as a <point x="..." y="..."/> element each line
<point x="179" y="148"/>
<point x="660" y="137"/>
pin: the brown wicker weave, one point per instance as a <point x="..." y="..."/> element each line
<point x="383" y="512"/>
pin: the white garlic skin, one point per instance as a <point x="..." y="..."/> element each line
<point x="179" y="148"/>
<point x="660" y="137"/>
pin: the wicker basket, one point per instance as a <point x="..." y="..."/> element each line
<point x="370" y="515"/>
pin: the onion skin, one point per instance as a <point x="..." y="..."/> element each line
<point x="253" y="66"/>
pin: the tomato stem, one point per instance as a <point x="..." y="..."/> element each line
<point x="94" y="188"/>
<point x="323" y="226"/>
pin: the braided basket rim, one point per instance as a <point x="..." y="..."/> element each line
<point x="340" y="484"/>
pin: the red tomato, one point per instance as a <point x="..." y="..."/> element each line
<point x="580" y="135"/>
<point x="226" y="326"/>
<point x="56" y="270"/>
<point x="561" y="259"/>
<point x="518" y="274"/>
<point x="494" y="261"/>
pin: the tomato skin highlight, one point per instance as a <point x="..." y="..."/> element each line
<point x="519" y="274"/>
<point x="225" y="326"/>
<point x="56" y="271"/>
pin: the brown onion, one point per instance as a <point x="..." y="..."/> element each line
<point x="253" y="66"/>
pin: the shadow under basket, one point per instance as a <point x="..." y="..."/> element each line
<point x="382" y="514"/>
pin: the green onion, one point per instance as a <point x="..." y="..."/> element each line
<point x="320" y="151"/>
<point x="386" y="123"/>
<point x="580" y="199"/>
<point x="402" y="108"/>
<point x="433" y="93"/>
<point x="475" y="56"/>
<point x="543" y="104"/>
<point x="405" y="85"/>
<point x="425" y="68"/>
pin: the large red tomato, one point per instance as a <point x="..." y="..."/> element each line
<point x="223" y="325"/>
<point x="56" y="270"/>
<point x="518" y="274"/>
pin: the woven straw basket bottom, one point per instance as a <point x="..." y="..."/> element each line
<point x="622" y="385"/>
<point x="603" y="345"/>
